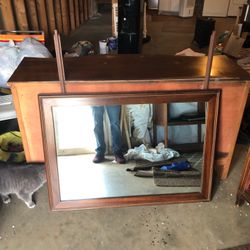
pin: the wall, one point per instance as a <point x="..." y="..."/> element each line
<point x="46" y="15"/>
<point x="215" y="8"/>
<point x="169" y="5"/>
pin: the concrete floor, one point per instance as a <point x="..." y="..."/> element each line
<point x="218" y="224"/>
<point x="209" y="225"/>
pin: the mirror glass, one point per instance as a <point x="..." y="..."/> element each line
<point x="162" y="143"/>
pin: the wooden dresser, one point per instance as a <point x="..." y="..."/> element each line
<point x="131" y="73"/>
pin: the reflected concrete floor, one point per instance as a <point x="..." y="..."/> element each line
<point x="80" y="178"/>
<point x="209" y="225"/>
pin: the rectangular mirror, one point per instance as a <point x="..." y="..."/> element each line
<point x="158" y="131"/>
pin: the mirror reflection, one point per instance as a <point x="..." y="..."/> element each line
<point x="129" y="150"/>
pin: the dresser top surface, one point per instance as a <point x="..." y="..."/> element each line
<point x="128" y="68"/>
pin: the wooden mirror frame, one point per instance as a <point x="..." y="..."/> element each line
<point x="47" y="102"/>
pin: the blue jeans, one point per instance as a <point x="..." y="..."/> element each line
<point x="114" y="118"/>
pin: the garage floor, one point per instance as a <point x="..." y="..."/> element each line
<point x="218" y="224"/>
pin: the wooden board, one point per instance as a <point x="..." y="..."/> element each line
<point x="77" y="16"/>
<point x="42" y="16"/>
<point x="21" y="17"/>
<point x="8" y="16"/>
<point x="72" y="15"/>
<point x="58" y="15"/>
<point x="81" y="11"/>
<point x="45" y="15"/>
<point x="32" y="14"/>
<point x="65" y="17"/>
<point x="51" y="15"/>
<point x="85" y="6"/>
<point x="90" y="10"/>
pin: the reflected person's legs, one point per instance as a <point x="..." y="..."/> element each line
<point x="99" y="133"/>
<point x="114" y="118"/>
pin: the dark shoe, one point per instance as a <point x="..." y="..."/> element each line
<point x="120" y="159"/>
<point x="98" y="158"/>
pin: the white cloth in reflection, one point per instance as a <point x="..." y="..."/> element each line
<point x="159" y="153"/>
<point x="140" y="117"/>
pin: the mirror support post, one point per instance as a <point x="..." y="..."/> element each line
<point x="59" y="61"/>
<point x="209" y="60"/>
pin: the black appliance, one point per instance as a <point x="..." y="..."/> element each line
<point x="203" y="30"/>
<point x="245" y="14"/>
<point x="245" y="20"/>
<point x="130" y="26"/>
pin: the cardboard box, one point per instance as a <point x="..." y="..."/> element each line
<point x="233" y="45"/>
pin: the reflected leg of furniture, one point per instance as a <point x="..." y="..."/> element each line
<point x="243" y="193"/>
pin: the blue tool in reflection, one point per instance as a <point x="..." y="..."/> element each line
<point x="178" y="166"/>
